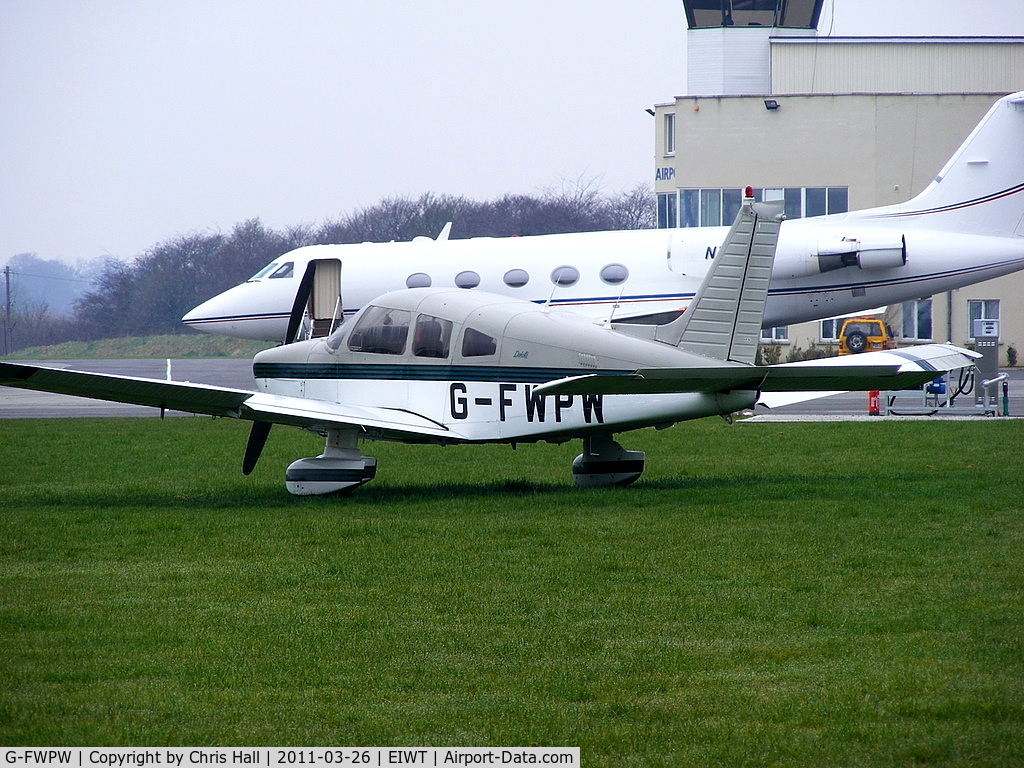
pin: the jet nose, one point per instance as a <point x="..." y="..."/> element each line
<point x="231" y="314"/>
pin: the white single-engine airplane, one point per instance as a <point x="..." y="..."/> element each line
<point x="965" y="227"/>
<point x="443" y="366"/>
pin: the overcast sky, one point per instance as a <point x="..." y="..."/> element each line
<point x="126" y="122"/>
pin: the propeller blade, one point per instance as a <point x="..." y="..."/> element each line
<point x="257" y="439"/>
<point x="299" y="306"/>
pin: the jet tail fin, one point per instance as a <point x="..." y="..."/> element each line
<point x="724" y="319"/>
<point x="980" y="190"/>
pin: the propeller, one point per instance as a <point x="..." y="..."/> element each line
<point x="301" y="299"/>
<point x="254" y="447"/>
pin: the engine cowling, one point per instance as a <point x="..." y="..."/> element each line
<point x="837" y="253"/>
<point x="829" y="253"/>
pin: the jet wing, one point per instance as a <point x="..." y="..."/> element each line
<point x="893" y="369"/>
<point x="223" y="401"/>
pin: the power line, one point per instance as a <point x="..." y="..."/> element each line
<point x="48" y="277"/>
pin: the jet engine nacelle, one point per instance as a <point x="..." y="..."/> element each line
<point x="826" y="254"/>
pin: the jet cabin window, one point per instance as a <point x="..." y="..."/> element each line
<point x="381" y="330"/>
<point x="432" y="337"/>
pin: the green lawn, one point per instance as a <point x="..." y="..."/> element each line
<point x="768" y="594"/>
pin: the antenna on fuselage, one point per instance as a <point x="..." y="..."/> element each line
<point x="547" y="302"/>
<point x="611" y="315"/>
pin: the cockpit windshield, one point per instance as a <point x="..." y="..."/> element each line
<point x="275" y="269"/>
<point x="285" y="270"/>
<point x="263" y="272"/>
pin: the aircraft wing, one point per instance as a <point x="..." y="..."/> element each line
<point x="222" y="401"/>
<point x="884" y="370"/>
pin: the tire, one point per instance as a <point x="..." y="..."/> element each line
<point x="856" y="342"/>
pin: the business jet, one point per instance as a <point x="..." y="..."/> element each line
<point x="964" y="228"/>
<point x="444" y="366"/>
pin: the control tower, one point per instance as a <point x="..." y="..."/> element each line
<point x="727" y="43"/>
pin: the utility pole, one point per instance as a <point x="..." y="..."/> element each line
<point x="7" y="311"/>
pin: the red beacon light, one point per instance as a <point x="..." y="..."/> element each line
<point x="748" y="192"/>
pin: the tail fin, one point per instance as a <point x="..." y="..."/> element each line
<point x="724" y="319"/>
<point x="980" y="190"/>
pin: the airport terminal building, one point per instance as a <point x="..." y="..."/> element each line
<point x="830" y="124"/>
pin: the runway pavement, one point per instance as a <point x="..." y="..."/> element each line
<point x="24" y="404"/>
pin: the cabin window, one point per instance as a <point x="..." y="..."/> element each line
<point x="285" y="270"/>
<point x="380" y="330"/>
<point x="565" y="276"/>
<point x="467" y="279"/>
<point x="613" y="274"/>
<point x="432" y="337"/>
<point x="418" y="280"/>
<point x="516" y="278"/>
<point x="478" y="344"/>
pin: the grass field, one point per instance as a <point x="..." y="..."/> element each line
<point x="768" y="594"/>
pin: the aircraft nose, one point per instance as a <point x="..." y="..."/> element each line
<point x="231" y="314"/>
<point x="208" y="316"/>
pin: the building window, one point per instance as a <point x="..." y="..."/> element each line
<point x="778" y="333"/>
<point x="917" y="320"/>
<point x="667" y="211"/>
<point x="716" y="207"/>
<point x="830" y="330"/>
<point x="980" y="309"/>
<point x="670" y="133"/>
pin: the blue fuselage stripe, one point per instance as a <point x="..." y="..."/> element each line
<point x="399" y="372"/>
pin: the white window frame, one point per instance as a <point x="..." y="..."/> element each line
<point x="779" y="334"/>
<point x="670" y="134"/>
<point x="985" y="309"/>
<point x="916" y="336"/>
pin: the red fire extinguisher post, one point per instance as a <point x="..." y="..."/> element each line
<point x="874" y="398"/>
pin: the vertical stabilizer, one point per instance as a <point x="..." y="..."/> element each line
<point x="724" y="319"/>
<point x="980" y="190"/>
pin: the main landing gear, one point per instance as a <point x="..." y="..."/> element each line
<point x="341" y="467"/>
<point x="604" y="462"/>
